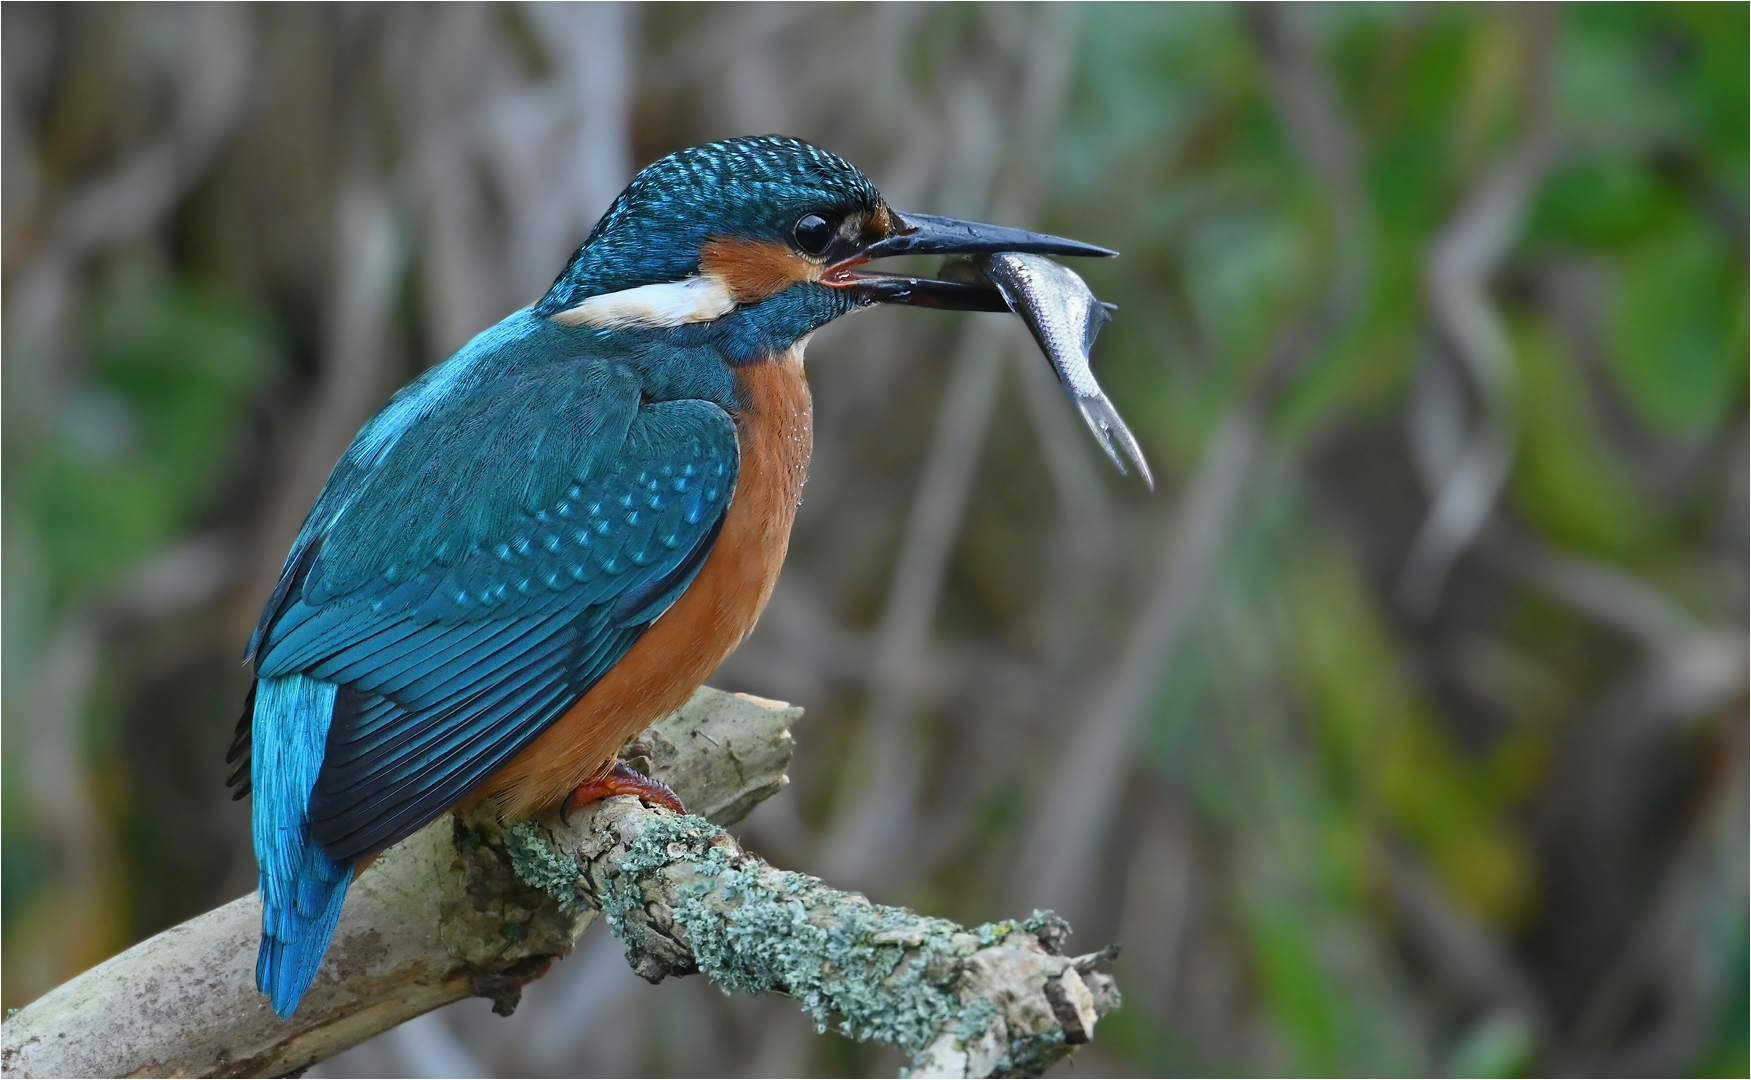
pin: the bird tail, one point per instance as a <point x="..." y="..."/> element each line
<point x="301" y="887"/>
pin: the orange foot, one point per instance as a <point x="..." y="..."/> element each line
<point x="621" y="780"/>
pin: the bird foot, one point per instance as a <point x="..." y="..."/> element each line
<point x="621" y="780"/>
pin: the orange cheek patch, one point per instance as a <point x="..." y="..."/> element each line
<point x="752" y="270"/>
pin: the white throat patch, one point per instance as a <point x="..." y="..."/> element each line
<point x="700" y="298"/>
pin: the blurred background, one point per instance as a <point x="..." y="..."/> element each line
<point x="1402" y="731"/>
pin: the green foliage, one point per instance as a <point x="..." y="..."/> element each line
<point x="1568" y="482"/>
<point x="1384" y="756"/>
<point x="1677" y="328"/>
<point x="1494" y="1046"/>
<point x="134" y="458"/>
<point x="1626" y="300"/>
<point x="1298" y="988"/>
<point x="130" y="463"/>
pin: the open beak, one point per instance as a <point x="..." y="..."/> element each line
<point x="927" y="234"/>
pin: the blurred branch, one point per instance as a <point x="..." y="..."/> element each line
<point x="1694" y="667"/>
<point x="1064" y="841"/>
<point x="467" y="908"/>
<point x="110" y="209"/>
<point x="1308" y="108"/>
<point x="1465" y="953"/>
<point x="437" y="918"/>
<point x="564" y="149"/>
<point x="875" y="825"/>
<point x="1610" y="594"/>
<point x="1463" y="258"/>
<point x="1673" y="940"/>
<point x="209" y="75"/>
<point x="878" y="822"/>
<point x="357" y="365"/>
<point x="1084" y="790"/>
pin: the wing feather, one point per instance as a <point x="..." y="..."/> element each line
<point x="504" y="553"/>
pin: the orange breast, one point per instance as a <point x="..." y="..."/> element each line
<point x="774" y="436"/>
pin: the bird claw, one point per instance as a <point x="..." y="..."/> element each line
<point x="621" y="780"/>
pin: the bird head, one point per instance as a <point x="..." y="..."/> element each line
<point x="758" y="241"/>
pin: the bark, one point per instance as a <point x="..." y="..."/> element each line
<point x="469" y="908"/>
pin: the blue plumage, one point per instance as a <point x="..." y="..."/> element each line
<point x="301" y="886"/>
<point x="499" y="536"/>
<point x="487" y="548"/>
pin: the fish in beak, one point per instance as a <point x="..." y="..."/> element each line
<point x="1064" y="317"/>
<point x="999" y="269"/>
<point x="928" y="234"/>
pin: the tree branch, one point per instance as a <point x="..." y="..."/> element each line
<point x="467" y="908"/>
<point x="997" y="999"/>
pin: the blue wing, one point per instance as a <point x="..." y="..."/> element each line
<point x="460" y="584"/>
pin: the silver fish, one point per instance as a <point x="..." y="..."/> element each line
<point x="1065" y="316"/>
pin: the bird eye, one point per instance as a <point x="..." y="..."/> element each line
<point x="813" y="233"/>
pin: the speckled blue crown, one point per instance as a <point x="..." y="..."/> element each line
<point x="754" y="186"/>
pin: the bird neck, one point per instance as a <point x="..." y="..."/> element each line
<point x="753" y="333"/>
<point x="743" y="334"/>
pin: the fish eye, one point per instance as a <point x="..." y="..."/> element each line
<point x="813" y="233"/>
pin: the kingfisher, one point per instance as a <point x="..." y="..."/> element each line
<point x="549" y="540"/>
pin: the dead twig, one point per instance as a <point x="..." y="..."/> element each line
<point x="1463" y="258"/>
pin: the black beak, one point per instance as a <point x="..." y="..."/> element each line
<point x="927" y="234"/>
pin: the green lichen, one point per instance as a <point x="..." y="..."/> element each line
<point x="1031" y="1056"/>
<point x="867" y="971"/>
<point x="975" y="1019"/>
<point x="753" y="929"/>
<point x="538" y="865"/>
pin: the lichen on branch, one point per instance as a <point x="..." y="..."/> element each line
<point x="994" y="1000"/>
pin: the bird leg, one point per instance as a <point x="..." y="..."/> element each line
<point x="621" y="780"/>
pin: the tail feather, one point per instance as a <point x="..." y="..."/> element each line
<point x="295" y="935"/>
<point x="301" y="887"/>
